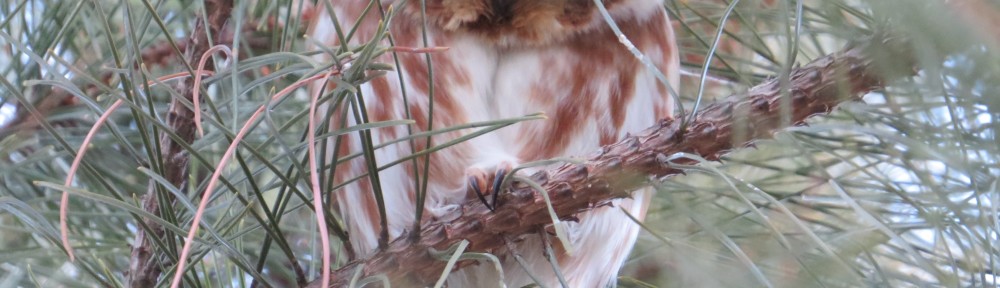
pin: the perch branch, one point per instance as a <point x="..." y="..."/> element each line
<point x="617" y="169"/>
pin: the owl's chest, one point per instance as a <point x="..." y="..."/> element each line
<point x="587" y="92"/>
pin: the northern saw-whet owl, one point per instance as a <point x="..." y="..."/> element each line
<point x="506" y="58"/>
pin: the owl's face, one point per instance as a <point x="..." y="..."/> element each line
<point x="527" y="22"/>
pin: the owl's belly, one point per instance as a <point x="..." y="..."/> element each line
<point x="592" y="96"/>
<point x="590" y="89"/>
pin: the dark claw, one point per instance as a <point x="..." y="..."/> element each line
<point x="497" y="182"/>
<point x="479" y="194"/>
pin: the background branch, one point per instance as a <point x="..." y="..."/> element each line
<point x="144" y="267"/>
<point x="158" y="54"/>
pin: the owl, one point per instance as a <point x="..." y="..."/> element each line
<point x="505" y="59"/>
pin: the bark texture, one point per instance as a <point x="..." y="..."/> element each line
<point x="616" y="170"/>
<point x="146" y="260"/>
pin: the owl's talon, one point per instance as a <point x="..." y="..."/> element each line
<point x="497" y="182"/>
<point x="474" y="187"/>
<point x="479" y="183"/>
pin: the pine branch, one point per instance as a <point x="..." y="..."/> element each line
<point x="144" y="268"/>
<point x="625" y="166"/>
<point x="161" y="54"/>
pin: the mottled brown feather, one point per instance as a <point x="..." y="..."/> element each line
<point x="520" y="22"/>
<point x="582" y="78"/>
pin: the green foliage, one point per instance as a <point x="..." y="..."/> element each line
<point x="901" y="190"/>
<point x="898" y="191"/>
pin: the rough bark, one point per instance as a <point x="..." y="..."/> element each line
<point x="617" y="169"/>
<point x="146" y="261"/>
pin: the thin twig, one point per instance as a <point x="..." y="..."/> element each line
<point x="70" y="175"/>
<point x="214" y="179"/>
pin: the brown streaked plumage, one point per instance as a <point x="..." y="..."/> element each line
<point x="508" y="58"/>
<point x="516" y="22"/>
